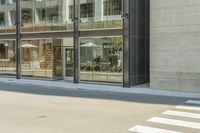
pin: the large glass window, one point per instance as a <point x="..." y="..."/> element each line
<point x="101" y="59"/>
<point x="42" y="58"/>
<point x="37" y="58"/>
<point x="7" y="18"/>
<point x="57" y="15"/>
<point x="47" y="15"/>
<point x="7" y="58"/>
<point x="98" y="14"/>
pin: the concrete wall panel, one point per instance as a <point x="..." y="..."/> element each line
<point x="175" y="45"/>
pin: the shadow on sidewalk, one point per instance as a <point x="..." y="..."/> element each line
<point x="39" y="90"/>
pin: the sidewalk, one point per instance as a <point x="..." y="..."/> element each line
<point x="140" y="89"/>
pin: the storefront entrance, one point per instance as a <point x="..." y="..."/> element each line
<point x="68" y="63"/>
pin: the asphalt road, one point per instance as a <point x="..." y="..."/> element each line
<point x="36" y="109"/>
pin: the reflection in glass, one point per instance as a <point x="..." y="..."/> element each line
<point x="101" y="59"/>
<point x="37" y="58"/>
<point x="47" y="15"/>
<point x="98" y="14"/>
<point x="57" y="61"/>
<point x="7" y="58"/>
<point x="7" y="16"/>
<point x="112" y="7"/>
<point x="57" y="15"/>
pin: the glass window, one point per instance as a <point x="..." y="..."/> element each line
<point x="87" y="10"/>
<point x="2" y="2"/>
<point x="42" y="58"/>
<point x="37" y="58"/>
<point x="47" y="15"/>
<point x="112" y="7"/>
<point x="7" y="58"/>
<point x="56" y="15"/>
<point x="2" y="19"/>
<point x="27" y="17"/>
<point x="99" y="14"/>
<point x="7" y="17"/>
<point x="101" y="59"/>
<point x="70" y="12"/>
<point x="57" y="59"/>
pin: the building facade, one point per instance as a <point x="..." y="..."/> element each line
<point x="101" y="41"/>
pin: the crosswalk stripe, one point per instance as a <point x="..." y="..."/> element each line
<point x="145" y="129"/>
<point x="182" y="114"/>
<point x="193" y="102"/>
<point x="173" y="122"/>
<point x="188" y="107"/>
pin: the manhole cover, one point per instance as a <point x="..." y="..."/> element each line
<point x="42" y="116"/>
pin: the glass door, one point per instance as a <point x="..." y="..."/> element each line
<point x="69" y="63"/>
<point x="57" y="59"/>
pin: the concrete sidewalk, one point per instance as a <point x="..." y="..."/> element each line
<point x="140" y="89"/>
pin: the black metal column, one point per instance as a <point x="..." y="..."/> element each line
<point x="76" y="20"/>
<point x="147" y="40"/>
<point x="18" y="39"/>
<point x="126" y="49"/>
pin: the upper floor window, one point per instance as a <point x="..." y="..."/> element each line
<point x="2" y="19"/>
<point x="2" y="2"/>
<point x="87" y="10"/>
<point x="70" y="11"/>
<point x="27" y="16"/>
<point x="50" y="15"/>
<point x="112" y="7"/>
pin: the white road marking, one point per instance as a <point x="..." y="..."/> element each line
<point x="174" y="122"/>
<point x="193" y="102"/>
<point x="145" y="129"/>
<point x="182" y="114"/>
<point x="188" y="107"/>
